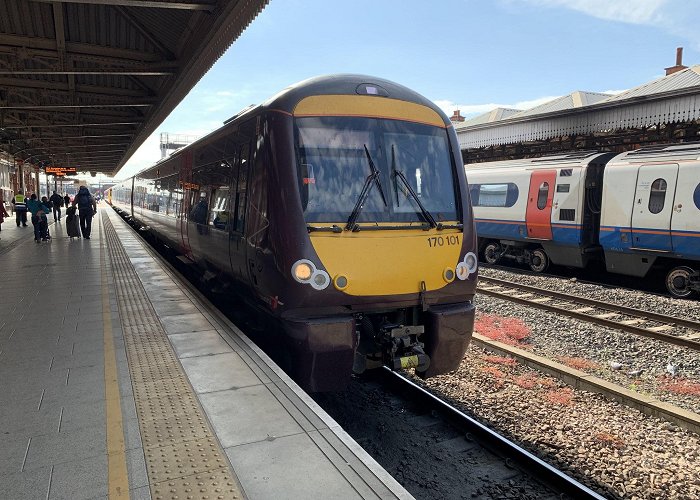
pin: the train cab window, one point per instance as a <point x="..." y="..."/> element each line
<point x="696" y="196"/>
<point x="336" y="154"/>
<point x="657" y="196"/>
<point x="542" y="194"/>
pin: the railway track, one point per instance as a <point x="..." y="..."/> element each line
<point x="564" y="485"/>
<point x="673" y="330"/>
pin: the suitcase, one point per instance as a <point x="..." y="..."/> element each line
<point x="72" y="223"/>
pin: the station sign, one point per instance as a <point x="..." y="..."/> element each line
<point x="190" y="185"/>
<point x="61" y="170"/>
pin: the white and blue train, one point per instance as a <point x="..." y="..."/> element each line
<point x="638" y="211"/>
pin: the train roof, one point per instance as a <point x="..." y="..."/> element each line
<point x="336" y="84"/>
<point x="661" y="152"/>
<point x="347" y="84"/>
<point x="568" y="159"/>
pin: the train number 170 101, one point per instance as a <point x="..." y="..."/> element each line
<point x="441" y="241"/>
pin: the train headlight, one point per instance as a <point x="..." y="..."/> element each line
<point x="462" y="271"/>
<point x="303" y="270"/>
<point x="448" y="275"/>
<point x="471" y="261"/>
<point x="340" y="282"/>
<point x="320" y="279"/>
<point x="467" y="266"/>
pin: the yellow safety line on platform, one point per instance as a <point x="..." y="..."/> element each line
<point x="117" y="476"/>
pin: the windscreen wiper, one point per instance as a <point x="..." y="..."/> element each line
<point x="398" y="173"/>
<point x="371" y="178"/>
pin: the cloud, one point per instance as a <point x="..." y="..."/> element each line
<point x="630" y="11"/>
<point x="677" y="17"/>
<point x="471" y="110"/>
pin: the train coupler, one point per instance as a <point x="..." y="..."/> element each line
<point x="418" y="360"/>
<point x="403" y="349"/>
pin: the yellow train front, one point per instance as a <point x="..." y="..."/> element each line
<point x="340" y="209"/>
<point x="370" y="231"/>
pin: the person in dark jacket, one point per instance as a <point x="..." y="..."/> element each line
<point x="66" y="200"/>
<point x="56" y="202"/>
<point x="39" y="220"/>
<point x="87" y="208"/>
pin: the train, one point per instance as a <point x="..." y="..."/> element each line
<point x="638" y="212"/>
<point x="339" y="210"/>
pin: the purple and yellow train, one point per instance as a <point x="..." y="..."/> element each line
<point x="340" y="208"/>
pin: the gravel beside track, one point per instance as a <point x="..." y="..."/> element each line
<point x="608" y="446"/>
<point x="617" y="356"/>
<point x="611" y="448"/>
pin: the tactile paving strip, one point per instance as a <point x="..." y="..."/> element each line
<point x="183" y="458"/>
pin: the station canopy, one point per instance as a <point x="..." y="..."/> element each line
<point x="83" y="83"/>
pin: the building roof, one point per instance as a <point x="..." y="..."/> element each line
<point x="83" y="83"/>
<point x="669" y="99"/>
<point x="488" y="117"/>
<point x="574" y="100"/>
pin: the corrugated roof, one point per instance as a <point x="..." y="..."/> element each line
<point x="488" y="117"/>
<point x="574" y="100"/>
<point x="670" y="99"/>
<point x="687" y="78"/>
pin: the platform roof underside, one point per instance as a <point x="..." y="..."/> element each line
<point x="83" y="83"/>
<point x="668" y="100"/>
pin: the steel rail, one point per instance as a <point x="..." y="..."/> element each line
<point x="544" y="471"/>
<point x="587" y="317"/>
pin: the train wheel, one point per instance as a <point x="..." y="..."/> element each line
<point x="678" y="281"/>
<point x="492" y="253"/>
<point x="539" y="262"/>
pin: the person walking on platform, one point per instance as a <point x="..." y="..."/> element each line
<point x="39" y="220"/>
<point x="56" y="201"/>
<point x="20" y="204"/>
<point x="3" y="212"/>
<point x="49" y="207"/>
<point x="87" y="208"/>
<point x="66" y="200"/>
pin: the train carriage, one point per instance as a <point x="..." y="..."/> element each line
<point x="540" y="210"/>
<point x="638" y="211"/>
<point x="651" y="219"/>
<point x="339" y="207"/>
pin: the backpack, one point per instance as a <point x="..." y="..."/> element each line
<point x="83" y="200"/>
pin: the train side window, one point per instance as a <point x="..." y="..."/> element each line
<point x="696" y="196"/>
<point x="563" y="188"/>
<point x="657" y="197"/>
<point x="494" y="195"/>
<point x="542" y="195"/>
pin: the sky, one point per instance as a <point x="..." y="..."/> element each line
<point x="471" y="55"/>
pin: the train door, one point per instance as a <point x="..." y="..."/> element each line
<point x="566" y="205"/>
<point x="685" y="217"/>
<point x="538" y="216"/>
<point x="186" y="204"/>
<point x="239" y="191"/>
<point x="653" y="206"/>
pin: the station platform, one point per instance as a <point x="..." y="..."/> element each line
<point x="119" y="380"/>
